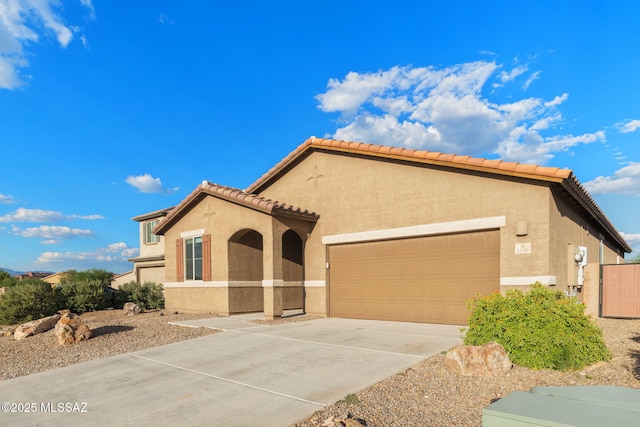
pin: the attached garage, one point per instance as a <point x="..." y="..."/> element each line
<point x="420" y="279"/>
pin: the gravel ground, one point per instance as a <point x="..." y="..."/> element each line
<point x="424" y="395"/>
<point x="113" y="333"/>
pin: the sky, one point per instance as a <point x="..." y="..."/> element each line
<point x="112" y="109"/>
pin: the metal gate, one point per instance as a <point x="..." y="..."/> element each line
<point x="620" y="291"/>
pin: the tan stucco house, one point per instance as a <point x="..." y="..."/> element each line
<point x="364" y="231"/>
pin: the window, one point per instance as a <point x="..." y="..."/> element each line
<point x="193" y="258"/>
<point x="149" y="237"/>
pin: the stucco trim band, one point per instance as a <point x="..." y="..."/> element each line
<point x="418" y="230"/>
<point x="192" y="233"/>
<point x="272" y="283"/>
<point x="527" y="280"/>
<point x="197" y="284"/>
<point x="315" y="283"/>
<point x="241" y="284"/>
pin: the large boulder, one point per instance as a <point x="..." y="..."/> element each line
<point x="71" y="329"/>
<point x="131" y="309"/>
<point x="35" y="327"/>
<point x="486" y="360"/>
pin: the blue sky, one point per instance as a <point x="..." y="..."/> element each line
<point x="111" y="109"/>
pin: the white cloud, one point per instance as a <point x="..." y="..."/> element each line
<point x="51" y="242"/>
<point x="511" y="75"/>
<point x="21" y="22"/>
<point x="532" y="78"/>
<point x="6" y="200"/>
<point x="632" y="239"/>
<point x="165" y="19"/>
<point x="40" y="215"/>
<point x="445" y="109"/>
<point x="148" y="184"/>
<point x="630" y="126"/>
<point x="111" y="253"/>
<point x="625" y="181"/>
<point x="51" y="232"/>
<point x="540" y="149"/>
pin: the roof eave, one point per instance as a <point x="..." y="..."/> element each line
<point x="385" y="152"/>
<point x="577" y="191"/>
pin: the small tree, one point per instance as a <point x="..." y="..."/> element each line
<point x="93" y="274"/>
<point x="83" y="296"/>
<point x="6" y="281"/>
<point x="31" y="300"/>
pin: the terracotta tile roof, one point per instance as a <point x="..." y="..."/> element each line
<point x="418" y="156"/>
<point x="564" y="177"/>
<point x="233" y="195"/>
<point x="254" y="201"/>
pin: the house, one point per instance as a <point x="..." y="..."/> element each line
<point x="32" y="275"/>
<point x="148" y="266"/>
<point x="55" y="278"/>
<point x="364" y="231"/>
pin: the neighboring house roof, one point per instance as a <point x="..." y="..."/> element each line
<point x="116" y="276"/>
<point x="155" y="214"/>
<point x="147" y="258"/>
<point x="233" y="195"/>
<point x="563" y="177"/>
<point x="53" y="278"/>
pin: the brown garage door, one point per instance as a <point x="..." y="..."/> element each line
<point x="422" y="279"/>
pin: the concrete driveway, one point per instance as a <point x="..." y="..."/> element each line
<point x="248" y="375"/>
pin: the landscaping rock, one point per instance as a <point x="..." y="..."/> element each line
<point x="35" y="327"/>
<point x="487" y="360"/>
<point x="71" y="329"/>
<point x="344" y="421"/>
<point x="131" y="309"/>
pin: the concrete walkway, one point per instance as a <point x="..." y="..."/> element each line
<point x="248" y="375"/>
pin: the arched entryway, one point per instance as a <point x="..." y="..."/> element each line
<point x="245" y="271"/>
<point x="293" y="271"/>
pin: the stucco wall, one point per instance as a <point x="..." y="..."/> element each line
<point x="354" y="194"/>
<point x="567" y="230"/>
<point x="197" y="299"/>
<point x="151" y="274"/>
<point x="149" y="249"/>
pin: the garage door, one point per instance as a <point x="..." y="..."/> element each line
<point x="422" y="279"/>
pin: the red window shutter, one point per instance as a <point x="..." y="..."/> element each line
<point x="179" y="261"/>
<point x="206" y="257"/>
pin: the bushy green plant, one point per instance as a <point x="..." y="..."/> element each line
<point x="147" y="296"/>
<point x="94" y="274"/>
<point x="83" y="296"/>
<point x="31" y="300"/>
<point x="541" y="329"/>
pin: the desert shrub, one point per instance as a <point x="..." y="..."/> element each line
<point x="83" y="296"/>
<point x="541" y="329"/>
<point x="147" y="296"/>
<point x="31" y="300"/>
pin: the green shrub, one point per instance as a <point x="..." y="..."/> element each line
<point x="31" y="300"/>
<point x="147" y="296"/>
<point x="541" y="329"/>
<point x="83" y="296"/>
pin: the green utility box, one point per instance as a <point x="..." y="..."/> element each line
<point x="582" y="406"/>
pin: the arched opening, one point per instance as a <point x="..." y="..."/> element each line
<point x="245" y="272"/>
<point x="293" y="271"/>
